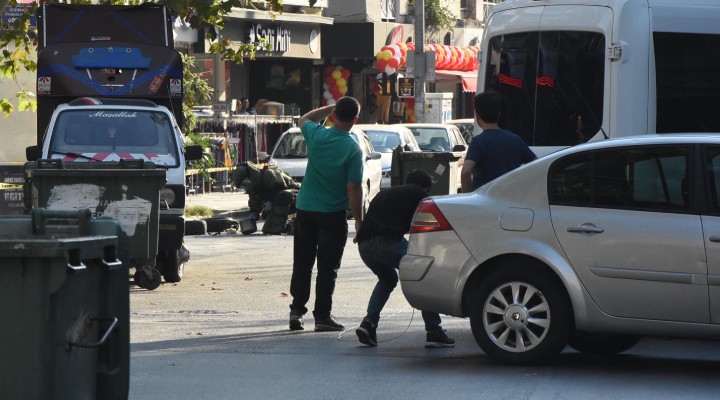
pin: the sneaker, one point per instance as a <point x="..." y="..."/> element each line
<point x="437" y="339"/>
<point x="296" y="321"/>
<point x="328" y="324"/>
<point x="366" y="333"/>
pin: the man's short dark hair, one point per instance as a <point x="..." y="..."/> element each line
<point x="419" y="178"/>
<point x="347" y="109"/>
<point x="487" y="106"/>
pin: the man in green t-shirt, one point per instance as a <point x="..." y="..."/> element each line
<point x="332" y="182"/>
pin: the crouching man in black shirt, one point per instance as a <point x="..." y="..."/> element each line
<point x="382" y="244"/>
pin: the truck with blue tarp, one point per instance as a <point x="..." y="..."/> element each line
<point x="109" y="86"/>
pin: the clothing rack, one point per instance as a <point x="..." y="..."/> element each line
<point x="243" y="138"/>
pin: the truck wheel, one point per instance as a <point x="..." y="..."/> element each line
<point x="172" y="267"/>
<point x="147" y="277"/>
<point x="195" y="227"/>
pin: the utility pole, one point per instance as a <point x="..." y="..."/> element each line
<point x="420" y="61"/>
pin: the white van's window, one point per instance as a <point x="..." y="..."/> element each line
<point x="110" y="135"/>
<point x="551" y="84"/>
<point x="687" y="67"/>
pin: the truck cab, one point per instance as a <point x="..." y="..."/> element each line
<point x="109" y="85"/>
<point x="101" y="130"/>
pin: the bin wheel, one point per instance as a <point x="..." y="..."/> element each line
<point x="147" y="277"/>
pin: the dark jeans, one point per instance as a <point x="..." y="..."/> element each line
<point x="382" y="255"/>
<point x="323" y="236"/>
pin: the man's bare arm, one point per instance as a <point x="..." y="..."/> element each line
<point x="466" y="175"/>
<point x="317" y="115"/>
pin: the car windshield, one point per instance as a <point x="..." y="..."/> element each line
<point x="432" y="139"/>
<point x="291" y="145"/>
<point x="384" y="141"/>
<point x="111" y="135"/>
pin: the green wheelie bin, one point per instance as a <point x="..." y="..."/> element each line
<point x="65" y="307"/>
<point x="127" y="191"/>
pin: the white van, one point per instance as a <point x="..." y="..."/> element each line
<point x="574" y="71"/>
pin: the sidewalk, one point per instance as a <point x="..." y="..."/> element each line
<point x="230" y="204"/>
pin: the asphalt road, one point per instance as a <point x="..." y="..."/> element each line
<point x="222" y="333"/>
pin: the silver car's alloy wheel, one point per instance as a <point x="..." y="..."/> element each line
<point x="516" y="317"/>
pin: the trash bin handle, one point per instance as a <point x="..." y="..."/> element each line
<point x="112" y="264"/>
<point x="103" y="339"/>
<point x="76" y="268"/>
<point x="42" y="216"/>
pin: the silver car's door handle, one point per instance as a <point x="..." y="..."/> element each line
<point x="715" y="239"/>
<point x="585" y="229"/>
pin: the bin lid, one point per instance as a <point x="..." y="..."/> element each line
<point x="434" y="155"/>
<point x="50" y="246"/>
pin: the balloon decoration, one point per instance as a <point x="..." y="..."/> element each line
<point x="335" y="85"/>
<point x="392" y="57"/>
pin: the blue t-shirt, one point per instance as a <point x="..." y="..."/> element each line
<point x="334" y="160"/>
<point x="496" y="152"/>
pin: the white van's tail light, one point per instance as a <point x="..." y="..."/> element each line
<point x="428" y="218"/>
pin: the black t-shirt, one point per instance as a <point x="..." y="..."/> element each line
<point x="391" y="211"/>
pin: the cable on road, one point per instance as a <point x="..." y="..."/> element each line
<point x="412" y="316"/>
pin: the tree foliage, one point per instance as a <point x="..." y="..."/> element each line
<point x="437" y="17"/>
<point x="19" y="46"/>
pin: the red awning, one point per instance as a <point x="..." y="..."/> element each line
<point x="469" y="84"/>
<point x="468" y="79"/>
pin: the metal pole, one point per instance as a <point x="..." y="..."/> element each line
<point x="420" y="65"/>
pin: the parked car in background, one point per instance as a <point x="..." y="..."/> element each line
<point x="594" y="246"/>
<point x="441" y="137"/>
<point x="290" y="155"/>
<point x="385" y="138"/>
<point x="468" y="127"/>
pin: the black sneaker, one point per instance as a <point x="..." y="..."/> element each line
<point x="328" y="324"/>
<point x="296" y="321"/>
<point x="437" y="339"/>
<point x="366" y="333"/>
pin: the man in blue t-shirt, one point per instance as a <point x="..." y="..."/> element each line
<point x="493" y="152"/>
<point x="332" y="182"/>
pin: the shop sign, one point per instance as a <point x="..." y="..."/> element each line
<point x="406" y="87"/>
<point x="276" y="36"/>
<point x="12" y="13"/>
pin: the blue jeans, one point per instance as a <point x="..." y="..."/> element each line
<point x="382" y="255"/>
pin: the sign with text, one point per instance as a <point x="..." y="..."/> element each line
<point x="406" y="87"/>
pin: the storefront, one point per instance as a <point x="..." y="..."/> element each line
<point x="288" y="73"/>
<point x="361" y="43"/>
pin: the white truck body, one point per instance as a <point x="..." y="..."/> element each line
<point x="574" y="71"/>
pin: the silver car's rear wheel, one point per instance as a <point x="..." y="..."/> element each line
<point x="516" y="317"/>
<point x="521" y="314"/>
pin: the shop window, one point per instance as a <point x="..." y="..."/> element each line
<point x="388" y="10"/>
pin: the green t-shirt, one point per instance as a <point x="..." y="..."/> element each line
<point x="334" y="160"/>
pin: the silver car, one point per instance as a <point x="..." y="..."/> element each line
<point x="594" y="246"/>
<point x="385" y="138"/>
<point x="290" y="155"/>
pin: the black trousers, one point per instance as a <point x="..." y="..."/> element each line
<point x="321" y="236"/>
